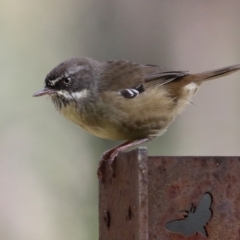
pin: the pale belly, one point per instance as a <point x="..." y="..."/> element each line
<point x="101" y="128"/>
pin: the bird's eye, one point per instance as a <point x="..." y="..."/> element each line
<point x="67" y="81"/>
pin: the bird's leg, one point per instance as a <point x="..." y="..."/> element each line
<point x="123" y="147"/>
<point x="109" y="156"/>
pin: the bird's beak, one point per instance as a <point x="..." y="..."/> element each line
<point x="45" y="91"/>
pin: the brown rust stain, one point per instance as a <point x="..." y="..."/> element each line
<point x="177" y="182"/>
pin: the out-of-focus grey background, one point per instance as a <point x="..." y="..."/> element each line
<point x="48" y="183"/>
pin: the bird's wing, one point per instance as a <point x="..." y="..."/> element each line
<point x="156" y="75"/>
<point x="130" y="79"/>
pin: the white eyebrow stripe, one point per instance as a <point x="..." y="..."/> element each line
<point x="53" y="82"/>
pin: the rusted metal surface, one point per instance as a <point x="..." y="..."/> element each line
<point x="123" y="206"/>
<point x="177" y="182"/>
<point x="144" y="195"/>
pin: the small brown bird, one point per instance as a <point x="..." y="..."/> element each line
<point x="122" y="100"/>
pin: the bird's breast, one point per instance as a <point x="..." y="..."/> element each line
<point x="94" y="123"/>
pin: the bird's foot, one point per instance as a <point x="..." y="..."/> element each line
<point x="106" y="160"/>
<point x="108" y="157"/>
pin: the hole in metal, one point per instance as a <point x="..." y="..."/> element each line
<point x="194" y="220"/>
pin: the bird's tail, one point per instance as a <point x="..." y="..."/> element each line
<point x="209" y="75"/>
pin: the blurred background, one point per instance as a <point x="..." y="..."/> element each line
<point x="48" y="183"/>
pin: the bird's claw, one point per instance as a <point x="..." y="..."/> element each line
<point x="106" y="160"/>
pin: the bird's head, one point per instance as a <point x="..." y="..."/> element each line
<point x="70" y="81"/>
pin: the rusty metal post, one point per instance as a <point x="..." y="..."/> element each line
<point x="147" y="197"/>
<point x="123" y="206"/>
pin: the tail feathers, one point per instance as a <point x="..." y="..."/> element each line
<point x="209" y="75"/>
